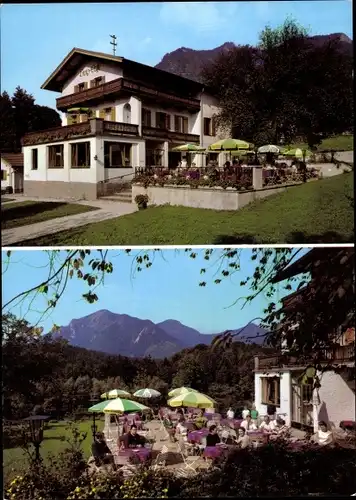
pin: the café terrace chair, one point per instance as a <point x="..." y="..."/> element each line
<point x="161" y="458"/>
<point x="188" y="460"/>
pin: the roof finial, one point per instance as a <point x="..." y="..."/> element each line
<point x="113" y="43"/>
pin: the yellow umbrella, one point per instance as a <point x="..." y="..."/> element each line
<point x="229" y="145"/>
<point x="193" y="400"/>
<point x="179" y="391"/>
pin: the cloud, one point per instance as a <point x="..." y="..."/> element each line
<point x="199" y="16"/>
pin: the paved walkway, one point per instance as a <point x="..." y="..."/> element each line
<point x="106" y="210"/>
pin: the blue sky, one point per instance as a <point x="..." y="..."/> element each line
<point x="168" y="290"/>
<point x="35" y="38"/>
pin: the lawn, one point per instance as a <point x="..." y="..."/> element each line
<point x="337" y="143"/>
<point x="30" y="212"/>
<point x="15" y="458"/>
<point x="319" y="211"/>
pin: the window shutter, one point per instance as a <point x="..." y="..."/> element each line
<point x="176" y="123"/>
<point x="168" y="122"/>
<point x="102" y="80"/>
<point x="185" y="125"/>
<point x="92" y="83"/>
<point x="76" y="88"/>
<point x="102" y="114"/>
<point x="213" y="127"/>
<point x="113" y="114"/>
<point x="85" y="85"/>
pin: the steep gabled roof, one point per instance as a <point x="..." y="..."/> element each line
<point x="77" y="57"/>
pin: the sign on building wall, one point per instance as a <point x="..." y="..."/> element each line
<point x="94" y="68"/>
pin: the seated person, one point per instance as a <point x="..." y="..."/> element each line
<point x="247" y="424"/>
<point x="212" y="439"/>
<point x="323" y="436"/>
<point x="132" y="439"/>
<point x="101" y="452"/>
<point x="230" y="412"/>
<point x="200" y="421"/>
<point x="243" y="441"/>
<point x="267" y="424"/>
<point x="280" y="428"/>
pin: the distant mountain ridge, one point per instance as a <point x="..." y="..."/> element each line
<point x="113" y="333"/>
<point x="189" y="62"/>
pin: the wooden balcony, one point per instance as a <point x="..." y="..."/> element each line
<point x="79" y="130"/>
<point x="167" y="135"/>
<point x="340" y="354"/>
<point x="122" y="87"/>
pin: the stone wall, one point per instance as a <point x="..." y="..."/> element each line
<point x="214" y="198"/>
<point x="60" y="190"/>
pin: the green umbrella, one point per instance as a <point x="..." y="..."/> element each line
<point x="229" y="145"/>
<point x="298" y="153"/>
<point x="193" y="148"/>
<point x="115" y="393"/>
<point x="99" y="407"/>
<point x="120" y="405"/>
<point x="78" y="110"/>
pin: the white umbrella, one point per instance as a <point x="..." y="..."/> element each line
<point x="115" y="393"/>
<point x="121" y="405"/>
<point x="268" y="148"/>
<point x="180" y="390"/>
<point x="147" y="393"/>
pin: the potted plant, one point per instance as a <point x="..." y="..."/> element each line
<point x="141" y="200"/>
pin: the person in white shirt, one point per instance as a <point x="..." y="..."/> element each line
<point x="267" y="425"/>
<point x="323" y="436"/>
<point x="182" y="429"/>
<point x="230" y="413"/>
<point x="245" y="412"/>
<point x="248" y="425"/>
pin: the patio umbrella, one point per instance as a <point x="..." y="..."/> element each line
<point x="193" y="148"/>
<point x="193" y="400"/>
<point x="120" y="405"/>
<point x="179" y="391"/>
<point x="78" y="110"/>
<point x="268" y="148"/>
<point x="297" y="153"/>
<point x="115" y="393"/>
<point x="147" y="393"/>
<point x="229" y="145"/>
<point x="99" y="407"/>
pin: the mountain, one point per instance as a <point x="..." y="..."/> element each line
<point x="112" y="333"/>
<point x="189" y="62"/>
<point x="190" y="337"/>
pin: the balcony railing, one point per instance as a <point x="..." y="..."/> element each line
<point x="91" y="128"/>
<point x="165" y="134"/>
<point x="57" y="134"/>
<point x="124" y="86"/>
<point x="341" y="354"/>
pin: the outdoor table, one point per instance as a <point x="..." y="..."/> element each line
<point x="197" y="436"/>
<point x="214" y="451"/>
<point x="234" y="423"/>
<point x="258" y="437"/>
<point x="142" y="453"/>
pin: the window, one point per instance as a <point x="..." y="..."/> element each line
<point x="271" y="390"/>
<point x="55" y="156"/>
<point x="97" y="81"/>
<point x="34" y="159"/>
<point x="146" y="118"/>
<point x="81" y="87"/>
<point x="117" y="154"/>
<point x="307" y="393"/>
<point x="3" y="175"/>
<point x="207" y="126"/>
<point x="80" y="155"/>
<point x="181" y="124"/>
<point x="163" y="120"/>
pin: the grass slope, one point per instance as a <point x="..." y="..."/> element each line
<point x="337" y="143"/>
<point x="30" y="212"/>
<point x="319" y="211"/>
<point x="15" y="459"/>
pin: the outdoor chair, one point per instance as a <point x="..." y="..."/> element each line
<point x="161" y="458"/>
<point x="189" y="460"/>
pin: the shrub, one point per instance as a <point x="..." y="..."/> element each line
<point x="141" y="199"/>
